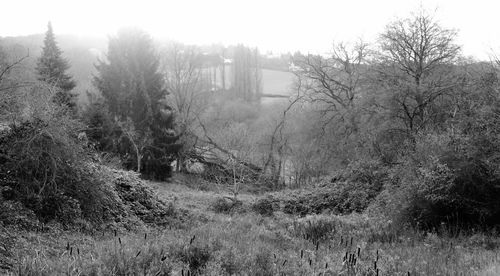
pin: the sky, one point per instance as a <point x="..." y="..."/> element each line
<point x="272" y="25"/>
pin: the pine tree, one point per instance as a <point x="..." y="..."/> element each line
<point x="130" y="80"/>
<point x="134" y="90"/>
<point x="51" y="68"/>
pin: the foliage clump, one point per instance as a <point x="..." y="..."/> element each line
<point x="265" y="206"/>
<point x="450" y="179"/>
<point x="140" y="201"/>
<point x="195" y="256"/>
<point x="51" y="172"/>
<point x="351" y="190"/>
<point x="226" y="205"/>
<point x="44" y="163"/>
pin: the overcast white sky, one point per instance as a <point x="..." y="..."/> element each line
<point x="279" y="25"/>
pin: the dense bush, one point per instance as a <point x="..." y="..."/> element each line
<point x="196" y="257"/>
<point x="40" y="159"/>
<point x="342" y="198"/>
<point x="14" y="213"/>
<point x="265" y="206"/>
<point x="50" y="173"/>
<point x="352" y="190"/>
<point x="450" y="178"/>
<point x="140" y="201"/>
<point x="48" y="169"/>
<point x="315" y="228"/>
<point x="225" y="205"/>
<point x="370" y="173"/>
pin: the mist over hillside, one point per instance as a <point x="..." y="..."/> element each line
<point x="136" y="155"/>
<point x="83" y="52"/>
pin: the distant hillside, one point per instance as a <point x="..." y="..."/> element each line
<point x="83" y="52"/>
<point x="277" y="82"/>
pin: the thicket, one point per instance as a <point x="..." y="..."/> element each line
<point x="424" y="115"/>
<point x="350" y="190"/>
<point x="406" y="127"/>
<point x="450" y="178"/>
<point x="52" y="175"/>
<point x="444" y="174"/>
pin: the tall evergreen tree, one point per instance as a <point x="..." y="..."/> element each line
<point x="51" y="68"/>
<point x="134" y="90"/>
<point x="129" y="79"/>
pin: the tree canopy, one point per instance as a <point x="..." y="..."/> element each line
<point x="134" y="90"/>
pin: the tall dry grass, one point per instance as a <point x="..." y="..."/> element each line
<point x="251" y="244"/>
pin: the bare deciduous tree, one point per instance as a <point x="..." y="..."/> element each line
<point x="183" y="72"/>
<point x="333" y="81"/>
<point x="334" y="86"/>
<point x="8" y="84"/>
<point x="416" y="55"/>
<point x="232" y="148"/>
<point x="278" y="142"/>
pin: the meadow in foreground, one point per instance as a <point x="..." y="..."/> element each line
<point x="242" y="242"/>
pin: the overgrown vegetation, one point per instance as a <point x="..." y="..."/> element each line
<point x="384" y="160"/>
<point x="134" y="90"/>
<point x="267" y="246"/>
<point x="51" y="175"/>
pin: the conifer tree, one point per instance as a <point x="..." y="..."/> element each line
<point x="134" y="90"/>
<point x="51" y="68"/>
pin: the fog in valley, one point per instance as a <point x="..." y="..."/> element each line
<point x="249" y="138"/>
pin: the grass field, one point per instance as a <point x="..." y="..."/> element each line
<point x="243" y="242"/>
<point x="277" y="82"/>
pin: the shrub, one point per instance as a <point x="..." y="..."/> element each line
<point x="315" y="229"/>
<point x="368" y="172"/>
<point x="141" y="201"/>
<point x="225" y="205"/>
<point x="46" y="168"/>
<point x="339" y="198"/>
<point x="39" y="159"/>
<point x="265" y="206"/>
<point x="449" y="178"/>
<point x="196" y="257"/>
<point x="52" y="175"/>
<point x="350" y="190"/>
<point x="14" y="213"/>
